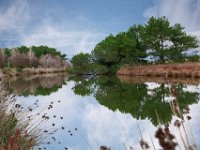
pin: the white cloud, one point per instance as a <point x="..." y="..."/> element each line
<point x="105" y="127"/>
<point x="69" y="41"/>
<point x="15" y="16"/>
<point x="18" y="27"/>
<point x="186" y="12"/>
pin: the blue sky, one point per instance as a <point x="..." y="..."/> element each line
<point x="74" y="26"/>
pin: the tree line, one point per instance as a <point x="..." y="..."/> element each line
<point x="157" y="39"/>
<point x="41" y="56"/>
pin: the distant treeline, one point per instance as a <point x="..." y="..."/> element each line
<point x="41" y="56"/>
<point x="157" y="39"/>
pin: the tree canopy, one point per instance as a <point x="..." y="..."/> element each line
<point x="42" y="50"/>
<point x="157" y="38"/>
<point x="114" y="51"/>
<point x="165" y="41"/>
<point x="82" y="63"/>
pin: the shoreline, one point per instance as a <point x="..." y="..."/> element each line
<point x="162" y="70"/>
<point x="11" y="72"/>
<point x="160" y="80"/>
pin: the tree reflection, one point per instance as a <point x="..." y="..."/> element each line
<point x="83" y="85"/>
<point x="36" y="84"/>
<point x="139" y="99"/>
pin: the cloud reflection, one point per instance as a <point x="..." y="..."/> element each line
<point x="97" y="125"/>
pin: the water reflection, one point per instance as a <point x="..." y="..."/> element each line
<point x="141" y="100"/>
<point x="165" y="103"/>
<point x="43" y="84"/>
<point x="107" y="112"/>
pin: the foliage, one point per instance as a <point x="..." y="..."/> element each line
<point x="114" y="51"/>
<point x="23" y="49"/>
<point x="193" y="58"/>
<point x="157" y="38"/>
<point x="82" y="63"/>
<point x="83" y="86"/>
<point x="63" y="56"/>
<point x="8" y="52"/>
<point x="43" y="50"/>
<point x="99" y="68"/>
<point x="165" y="41"/>
<point x="46" y="91"/>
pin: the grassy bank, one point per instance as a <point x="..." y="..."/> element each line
<point x="164" y="70"/>
<point x="160" y="80"/>
<point x="29" y="71"/>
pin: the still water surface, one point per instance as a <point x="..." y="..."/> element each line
<point x="85" y="113"/>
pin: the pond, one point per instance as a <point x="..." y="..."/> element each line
<point x="85" y="112"/>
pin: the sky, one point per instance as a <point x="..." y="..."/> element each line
<point x="74" y="26"/>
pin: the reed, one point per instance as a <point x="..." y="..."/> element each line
<point x="10" y="72"/>
<point x="164" y="70"/>
<point x="13" y="131"/>
<point x="23" y="129"/>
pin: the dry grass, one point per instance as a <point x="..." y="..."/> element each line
<point x="42" y="70"/>
<point x="9" y="72"/>
<point x="28" y="71"/>
<point x="143" y="79"/>
<point x="14" y="134"/>
<point x="164" y="70"/>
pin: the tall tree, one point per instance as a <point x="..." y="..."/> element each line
<point x="82" y="63"/>
<point x="113" y="51"/>
<point x="165" y="41"/>
<point x="23" y="49"/>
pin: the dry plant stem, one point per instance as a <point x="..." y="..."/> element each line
<point x="159" y="121"/>
<point x="121" y="126"/>
<point x="187" y="140"/>
<point x="190" y="130"/>
<point x="182" y="139"/>
<point x="139" y="130"/>
<point x="152" y="142"/>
